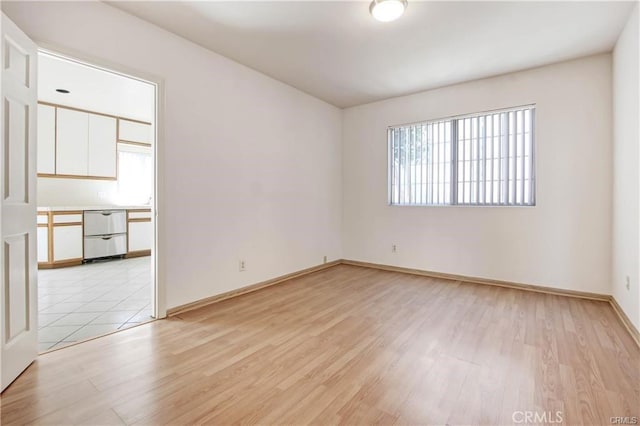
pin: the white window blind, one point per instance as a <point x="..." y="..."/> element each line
<point x="479" y="159"/>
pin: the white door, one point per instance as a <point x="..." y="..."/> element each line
<point x="18" y="262"/>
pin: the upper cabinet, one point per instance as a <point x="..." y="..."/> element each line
<point x="136" y="132"/>
<point x="102" y="146"/>
<point x="72" y="147"/>
<point x="46" y="139"/>
<point x="86" y="144"/>
<point x="74" y="143"/>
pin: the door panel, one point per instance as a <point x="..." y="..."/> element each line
<point x="18" y="295"/>
<point x="15" y="152"/>
<point x="16" y="262"/>
<point x="17" y="60"/>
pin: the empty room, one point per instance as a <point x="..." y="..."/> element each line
<point x="320" y="212"/>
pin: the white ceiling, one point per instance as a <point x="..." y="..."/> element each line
<point x="93" y="89"/>
<point x="337" y="52"/>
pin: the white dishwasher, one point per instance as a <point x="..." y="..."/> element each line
<point x="105" y="233"/>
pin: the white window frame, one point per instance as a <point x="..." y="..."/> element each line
<point x="511" y="199"/>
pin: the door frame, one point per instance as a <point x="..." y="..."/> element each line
<point x="158" y="250"/>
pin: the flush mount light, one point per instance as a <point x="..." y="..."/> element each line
<point x="387" y="10"/>
<point x="62" y="91"/>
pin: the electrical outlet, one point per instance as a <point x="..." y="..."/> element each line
<point x="324" y="259"/>
<point x="628" y="283"/>
<point x="394" y="249"/>
<point x="102" y="195"/>
<point x="242" y="266"/>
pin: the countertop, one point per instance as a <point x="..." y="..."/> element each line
<point x="74" y="208"/>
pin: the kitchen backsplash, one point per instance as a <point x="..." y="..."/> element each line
<point x="76" y="192"/>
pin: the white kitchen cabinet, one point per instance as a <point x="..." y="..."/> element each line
<point x="140" y="236"/>
<point x="67" y="242"/>
<point x="131" y="131"/>
<point x="86" y="144"/>
<point x="72" y="147"/>
<point x="43" y="244"/>
<point x="102" y="146"/>
<point x="46" y="139"/>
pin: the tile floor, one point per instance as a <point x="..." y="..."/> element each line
<point x="86" y="301"/>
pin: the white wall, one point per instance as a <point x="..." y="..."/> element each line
<point x="252" y="167"/>
<point x="564" y="241"/>
<point x="626" y="166"/>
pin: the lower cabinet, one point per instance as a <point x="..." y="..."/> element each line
<point x="61" y="240"/>
<point x="43" y="244"/>
<point x="139" y="232"/>
<point x="67" y="243"/>
<point x="140" y="236"/>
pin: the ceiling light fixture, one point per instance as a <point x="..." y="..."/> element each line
<point x="62" y="91"/>
<point x="387" y="10"/>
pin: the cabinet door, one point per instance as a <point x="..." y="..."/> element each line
<point x="43" y="244"/>
<point x="140" y="236"/>
<point x="67" y="242"/>
<point x="72" y="142"/>
<point x="46" y="139"/>
<point x="102" y="146"/>
<point x="130" y="131"/>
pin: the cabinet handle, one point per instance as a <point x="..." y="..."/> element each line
<point x="106" y="213"/>
<point x="107" y="238"/>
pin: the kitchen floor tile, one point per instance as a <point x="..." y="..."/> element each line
<point x="113" y="317"/>
<point x="45" y="346"/>
<point x="129" y="325"/>
<point x="86" y="296"/>
<point x="93" y="299"/>
<point x="47" y="319"/>
<point x="110" y="296"/>
<point x="64" y="290"/>
<point x="77" y="318"/>
<point x="96" y="307"/>
<point x="93" y="330"/>
<point x="132" y="304"/>
<point x="142" y="316"/>
<point x="54" y="298"/>
<point x="61" y="344"/>
<point x="62" y="308"/>
<point x="52" y="333"/>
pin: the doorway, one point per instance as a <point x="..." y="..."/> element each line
<point x="96" y="197"/>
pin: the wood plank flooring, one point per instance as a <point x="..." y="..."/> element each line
<point x="347" y="345"/>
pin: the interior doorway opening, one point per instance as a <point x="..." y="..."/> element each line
<point x="96" y="197"/>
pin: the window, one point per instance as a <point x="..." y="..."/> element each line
<point x="481" y="159"/>
<point x="135" y="174"/>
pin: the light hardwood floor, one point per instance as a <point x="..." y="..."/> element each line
<point x="347" y="345"/>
